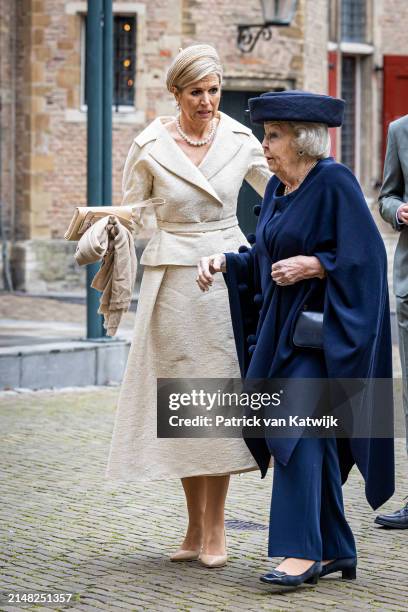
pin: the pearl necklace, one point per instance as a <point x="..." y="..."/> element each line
<point x="196" y="143"/>
<point x="289" y="190"/>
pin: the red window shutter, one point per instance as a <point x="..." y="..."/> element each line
<point x="395" y="101"/>
<point x="332" y="63"/>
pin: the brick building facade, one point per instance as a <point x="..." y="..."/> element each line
<point x="43" y="113"/>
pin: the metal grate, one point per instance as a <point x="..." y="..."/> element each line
<point x="245" y="525"/>
<point x="348" y="132"/>
<point x="354" y="20"/>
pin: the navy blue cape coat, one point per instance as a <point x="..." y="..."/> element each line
<point x="327" y="216"/>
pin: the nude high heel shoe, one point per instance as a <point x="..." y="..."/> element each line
<point x="185" y="555"/>
<point x="214" y="560"/>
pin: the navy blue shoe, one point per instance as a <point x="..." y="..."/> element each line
<point x="396" y="520"/>
<point x="347" y="567"/>
<point x="311" y="576"/>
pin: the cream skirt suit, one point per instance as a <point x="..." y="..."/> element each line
<point x="179" y="331"/>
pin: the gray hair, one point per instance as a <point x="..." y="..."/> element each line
<point x="193" y="64"/>
<point x="310" y="139"/>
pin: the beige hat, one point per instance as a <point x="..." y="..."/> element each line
<point x="192" y="64"/>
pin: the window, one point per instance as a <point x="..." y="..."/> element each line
<point x="124" y="60"/>
<point x="348" y="132"/>
<point x="355" y="54"/>
<point x="352" y="87"/>
<point x="353" y="20"/>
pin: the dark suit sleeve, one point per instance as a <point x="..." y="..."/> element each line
<point x="392" y="190"/>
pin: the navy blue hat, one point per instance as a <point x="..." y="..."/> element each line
<point x="296" y="105"/>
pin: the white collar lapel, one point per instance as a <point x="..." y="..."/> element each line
<point x="167" y="153"/>
<point x="226" y="145"/>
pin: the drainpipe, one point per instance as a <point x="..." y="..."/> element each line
<point x="107" y="102"/>
<point x="5" y="249"/>
<point x="99" y="132"/>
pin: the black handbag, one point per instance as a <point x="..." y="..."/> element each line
<point x="308" y="332"/>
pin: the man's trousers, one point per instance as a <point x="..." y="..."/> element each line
<point x="402" y="318"/>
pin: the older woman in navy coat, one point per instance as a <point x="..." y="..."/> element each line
<point x="317" y="247"/>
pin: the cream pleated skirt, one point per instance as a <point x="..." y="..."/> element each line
<point x="179" y="332"/>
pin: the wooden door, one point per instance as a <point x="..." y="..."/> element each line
<point x="395" y="103"/>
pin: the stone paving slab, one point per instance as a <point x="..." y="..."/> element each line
<point x="64" y="528"/>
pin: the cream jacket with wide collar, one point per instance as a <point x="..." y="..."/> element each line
<point x="199" y="215"/>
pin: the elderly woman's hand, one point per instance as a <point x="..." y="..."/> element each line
<point x="207" y="267"/>
<point x="294" y="269"/>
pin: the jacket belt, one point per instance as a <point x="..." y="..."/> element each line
<point x="203" y="226"/>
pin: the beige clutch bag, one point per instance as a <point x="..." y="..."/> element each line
<point x="85" y="216"/>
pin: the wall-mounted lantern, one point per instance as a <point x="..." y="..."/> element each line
<point x="275" y="13"/>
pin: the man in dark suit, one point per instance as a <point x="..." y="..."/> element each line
<point x="394" y="209"/>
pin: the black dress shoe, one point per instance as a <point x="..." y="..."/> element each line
<point x="396" y="520"/>
<point x="347" y="567"/>
<point x="283" y="579"/>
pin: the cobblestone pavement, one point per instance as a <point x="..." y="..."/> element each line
<point x="66" y="529"/>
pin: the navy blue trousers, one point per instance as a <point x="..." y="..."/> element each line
<point x="307" y="515"/>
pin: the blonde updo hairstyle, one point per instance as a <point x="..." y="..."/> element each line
<point x="193" y="64"/>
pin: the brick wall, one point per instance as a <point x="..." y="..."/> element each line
<point x="315" y="46"/>
<point x="391" y="20"/>
<point x="51" y="147"/>
<point x="64" y="141"/>
<point x="215" y="22"/>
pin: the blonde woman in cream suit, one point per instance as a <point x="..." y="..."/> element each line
<point x="197" y="163"/>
